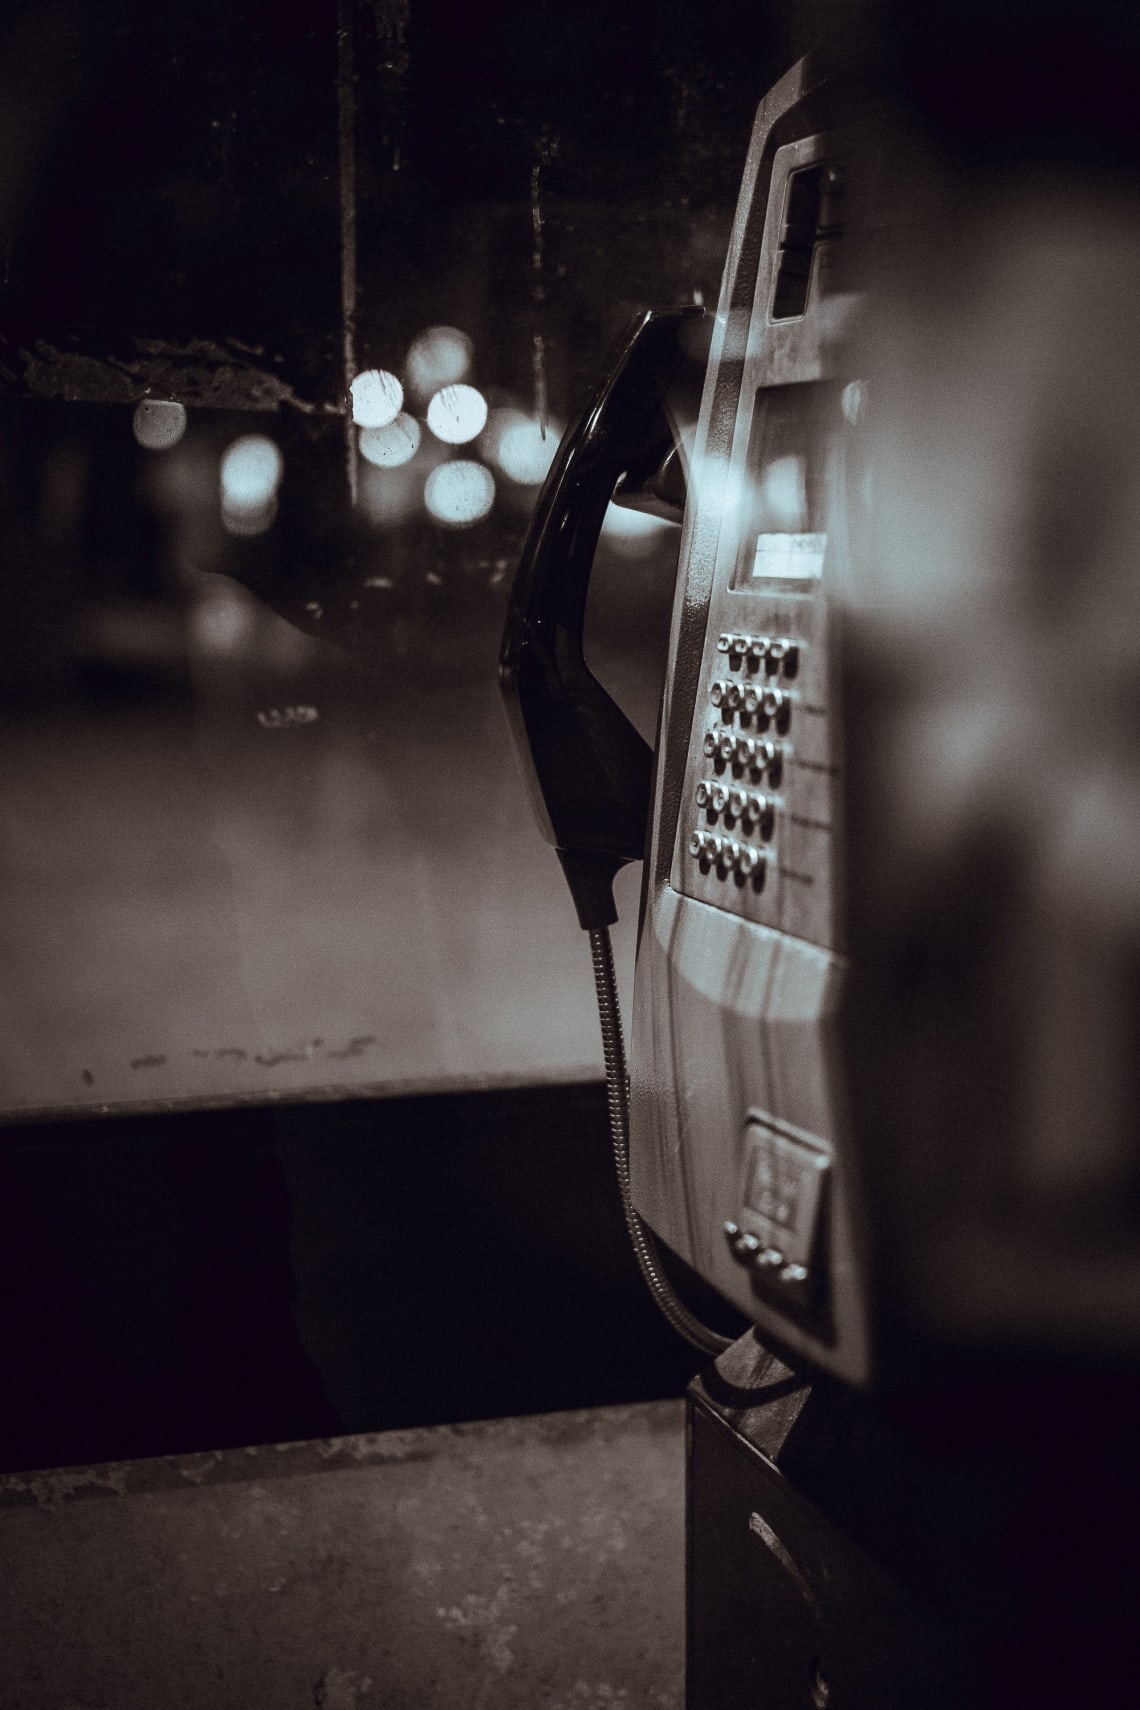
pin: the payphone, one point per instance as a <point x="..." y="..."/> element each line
<point x="735" y="1122"/>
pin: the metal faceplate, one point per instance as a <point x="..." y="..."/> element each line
<point x="737" y="1153"/>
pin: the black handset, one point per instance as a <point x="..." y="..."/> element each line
<point x="587" y="769"/>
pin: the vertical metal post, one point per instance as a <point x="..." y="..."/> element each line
<point x="346" y="130"/>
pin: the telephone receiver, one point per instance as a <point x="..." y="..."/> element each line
<point x="588" y="771"/>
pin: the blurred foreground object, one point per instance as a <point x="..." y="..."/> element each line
<point x="993" y="766"/>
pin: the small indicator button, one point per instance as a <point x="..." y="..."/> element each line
<point x="790" y="658"/>
<point x="744" y="750"/>
<point x="752" y="699"/>
<point x="770" y="756"/>
<point x="737" y="802"/>
<point x="771" y="1259"/>
<point x="722" y="643"/>
<point x="732" y="695"/>
<point x="716" y="692"/>
<point x="738" y="644"/>
<point x="747" y="860"/>
<point x="795" y="1279"/>
<point x="710" y="745"/>
<point x="778" y="706"/>
<point x="702" y="793"/>
<point x="757" y="648"/>
<point x="697" y="843"/>
<point x="726" y="745"/>
<point x="718" y="797"/>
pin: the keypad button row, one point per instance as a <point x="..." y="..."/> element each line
<point x="711" y="849"/>
<point x="753" y="752"/>
<point x="775" y="653"/>
<point x="747" y="1249"/>
<point x="750" y="700"/>
<point x="749" y="806"/>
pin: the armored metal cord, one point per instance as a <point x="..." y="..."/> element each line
<point x="617" y="1089"/>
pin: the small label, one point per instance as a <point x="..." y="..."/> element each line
<point x="795" y="557"/>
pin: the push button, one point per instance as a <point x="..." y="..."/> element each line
<point x="761" y="812"/>
<point x="785" y="655"/>
<point x="743" y="1246"/>
<point x="769" y="758"/>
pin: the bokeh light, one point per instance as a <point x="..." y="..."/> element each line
<point x="376" y="398"/>
<point x="389" y="447"/>
<point x="457" y="414"/>
<point x="439" y="356"/>
<point x="247" y="523"/>
<point x="250" y="474"/>
<point x="223" y="619"/>
<point x="522" y="451"/>
<point x="251" y="471"/>
<point x="159" y="423"/>
<point x="459" y="493"/>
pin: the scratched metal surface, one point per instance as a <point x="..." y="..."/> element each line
<point x="511" y="1563"/>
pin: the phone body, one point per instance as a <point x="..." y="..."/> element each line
<point x="740" y="1154"/>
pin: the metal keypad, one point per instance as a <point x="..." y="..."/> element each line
<point x="763" y="730"/>
<point x="752" y="710"/>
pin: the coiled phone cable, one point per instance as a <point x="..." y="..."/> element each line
<point x="645" y="1246"/>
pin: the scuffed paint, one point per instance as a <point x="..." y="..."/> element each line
<point x="482" y="1620"/>
<point x="533" y="1560"/>
<point x="584" y="1694"/>
<point x="341" y="1689"/>
<point x="199" y="372"/>
<point x="53" y="1489"/>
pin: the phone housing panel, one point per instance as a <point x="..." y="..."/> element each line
<point x="739" y="1157"/>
